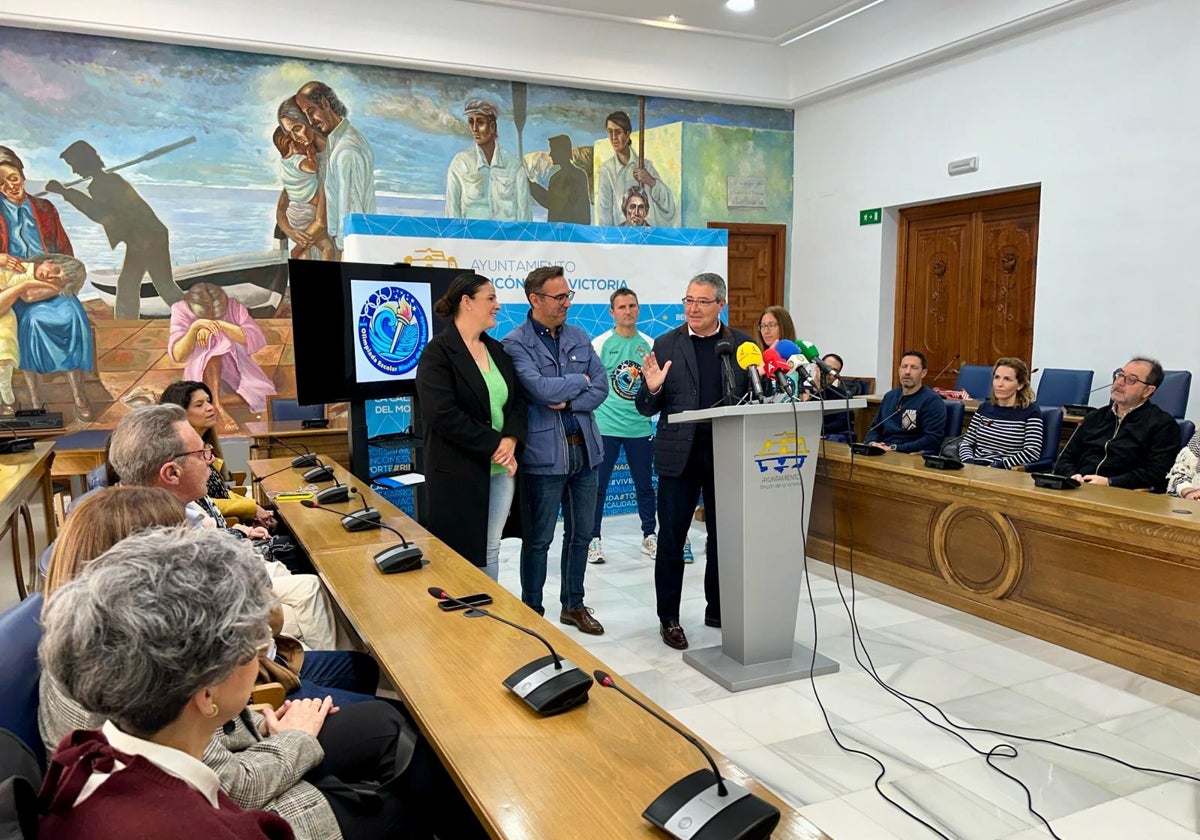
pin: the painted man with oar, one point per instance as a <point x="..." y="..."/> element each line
<point x="125" y="216"/>
<point x="626" y="169"/>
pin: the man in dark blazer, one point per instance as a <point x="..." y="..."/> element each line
<point x="682" y="373"/>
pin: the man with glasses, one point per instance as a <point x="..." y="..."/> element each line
<point x="564" y="383"/>
<point x="1130" y="444"/>
<point x="157" y="447"/>
<point x="683" y="373"/>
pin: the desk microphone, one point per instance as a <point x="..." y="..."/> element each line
<point x="749" y="357"/>
<point x="405" y="557"/>
<point x="549" y="685"/>
<point x="702" y="805"/>
<point x="15" y="443"/>
<point x="866" y="448"/>
<point x="941" y="372"/>
<point x="302" y="459"/>
<point x="339" y="492"/>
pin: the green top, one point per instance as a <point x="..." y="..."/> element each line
<point x="497" y="397"/>
<point x="622" y="357"/>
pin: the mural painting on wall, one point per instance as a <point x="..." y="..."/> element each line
<point x="151" y="195"/>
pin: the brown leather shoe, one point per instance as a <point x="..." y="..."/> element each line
<point x="673" y="635"/>
<point x="582" y="619"/>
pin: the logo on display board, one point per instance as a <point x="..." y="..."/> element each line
<point x="392" y="329"/>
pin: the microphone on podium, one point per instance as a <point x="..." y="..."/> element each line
<point x="724" y="350"/>
<point x="549" y="685"/>
<point x="703" y="805"/>
<point x="774" y="367"/>
<point x="749" y="357"/>
<point x="405" y="557"/>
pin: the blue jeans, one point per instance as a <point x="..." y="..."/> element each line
<point x="346" y="675"/>
<point x="639" y="452"/>
<point x="575" y="492"/>
<point x="500" y="496"/>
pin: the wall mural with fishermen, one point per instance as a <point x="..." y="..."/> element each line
<point x="151" y="195"/>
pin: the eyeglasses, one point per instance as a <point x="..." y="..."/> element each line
<point x="1127" y="378"/>
<point x="705" y="302"/>
<point x="261" y="650"/>
<point x="765" y="326"/>
<point x="560" y="299"/>
<point x="205" y="454"/>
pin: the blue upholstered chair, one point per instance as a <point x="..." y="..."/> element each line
<point x="1052" y="423"/>
<point x="954" y="417"/>
<point x="976" y="380"/>
<point x="1172" y="395"/>
<point x="19" y="672"/>
<point x="286" y="408"/>
<point x="1186" y="429"/>
<point x="1059" y="386"/>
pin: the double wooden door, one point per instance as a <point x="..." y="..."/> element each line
<point x="965" y="281"/>
<point x="756" y="267"/>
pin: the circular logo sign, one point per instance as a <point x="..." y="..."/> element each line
<point x="392" y="329"/>
<point x="626" y="378"/>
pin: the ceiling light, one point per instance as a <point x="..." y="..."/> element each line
<point x="739" y="5"/>
<point x="673" y="18"/>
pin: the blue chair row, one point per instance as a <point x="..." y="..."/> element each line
<point x="1063" y="386"/>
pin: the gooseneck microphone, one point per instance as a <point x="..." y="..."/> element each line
<point x="865" y="448"/>
<point x="703" y="805"/>
<point x="16" y="443"/>
<point x="405" y="557"/>
<point x="728" y="382"/>
<point x="946" y="368"/>
<point x="306" y="458"/>
<point x="549" y="685"/>
<point x="1052" y="480"/>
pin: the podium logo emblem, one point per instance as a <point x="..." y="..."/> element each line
<point x="392" y="330"/>
<point x="781" y="453"/>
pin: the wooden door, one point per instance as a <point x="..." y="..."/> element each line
<point x="966" y="276"/>
<point x="757" y="262"/>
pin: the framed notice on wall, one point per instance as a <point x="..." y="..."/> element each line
<point x="742" y="191"/>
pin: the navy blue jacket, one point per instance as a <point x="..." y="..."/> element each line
<point x="915" y="423"/>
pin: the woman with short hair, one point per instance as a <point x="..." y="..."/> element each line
<point x="1006" y="430"/>
<point x="110" y="639"/>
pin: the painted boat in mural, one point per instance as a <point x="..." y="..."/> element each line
<point x="258" y="280"/>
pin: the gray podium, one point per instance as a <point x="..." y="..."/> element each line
<point x="764" y="457"/>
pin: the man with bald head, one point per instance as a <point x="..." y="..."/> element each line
<point x="349" y="160"/>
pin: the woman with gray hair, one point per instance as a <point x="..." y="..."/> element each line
<point x="363" y="772"/>
<point x="111" y="639"/>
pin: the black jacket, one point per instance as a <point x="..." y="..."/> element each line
<point x="459" y="438"/>
<point x="680" y="392"/>
<point x="1135" y="452"/>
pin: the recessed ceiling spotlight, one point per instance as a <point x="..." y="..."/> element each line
<point x="739" y="5"/>
<point x="673" y="18"/>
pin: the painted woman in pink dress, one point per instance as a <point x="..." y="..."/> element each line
<point x="217" y="339"/>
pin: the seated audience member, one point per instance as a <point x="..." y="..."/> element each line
<point x="197" y="400"/>
<point x="106" y="516"/>
<point x="774" y="324"/>
<point x="1182" y="480"/>
<point x="155" y="446"/>
<point x="1130" y="444"/>
<point x="1006" y="430"/>
<point x="838" y="426"/>
<point x="911" y="417"/>
<point x="177" y="700"/>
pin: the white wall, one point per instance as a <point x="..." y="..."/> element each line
<point x="1101" y="111"/>
<point x="445" y="35"/>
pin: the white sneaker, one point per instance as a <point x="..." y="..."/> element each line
<point x="595" y="551"/>
<point x="688" y="557"/>
<point x="650" y="545"/>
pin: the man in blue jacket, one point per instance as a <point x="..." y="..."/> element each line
<point x="564" y="381"/>
<point x="911" y="418"/>
<point x="682" y="373"/>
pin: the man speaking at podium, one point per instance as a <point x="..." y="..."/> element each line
<point x="683" y="373"/>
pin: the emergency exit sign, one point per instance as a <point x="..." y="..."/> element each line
<point x="870" y="217"/>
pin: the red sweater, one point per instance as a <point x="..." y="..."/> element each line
<point x="141" y="802"/>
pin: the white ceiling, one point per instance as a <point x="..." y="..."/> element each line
<point x="771" y="21"/>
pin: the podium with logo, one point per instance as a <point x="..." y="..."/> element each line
<point x="764" y="457"/>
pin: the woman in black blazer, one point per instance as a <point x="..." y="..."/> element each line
<point x="474" y="417"/>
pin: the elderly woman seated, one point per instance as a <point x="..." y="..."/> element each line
<point x="155" y="645"/>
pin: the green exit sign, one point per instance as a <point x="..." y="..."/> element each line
<point x="870" y="217"/>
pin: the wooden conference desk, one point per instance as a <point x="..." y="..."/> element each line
<point x="332" y="442"/>
<point x="1111" y="573"/>
<point x="23" y="476"/>
<point x="588" y="773"/>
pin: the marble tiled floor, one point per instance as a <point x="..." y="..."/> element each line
<point x="981" y="674"/>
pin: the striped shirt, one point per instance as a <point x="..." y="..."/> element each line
<point x="1005" y="436"/>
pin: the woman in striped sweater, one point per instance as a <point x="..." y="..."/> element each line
<point x="1006" y="430"/>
